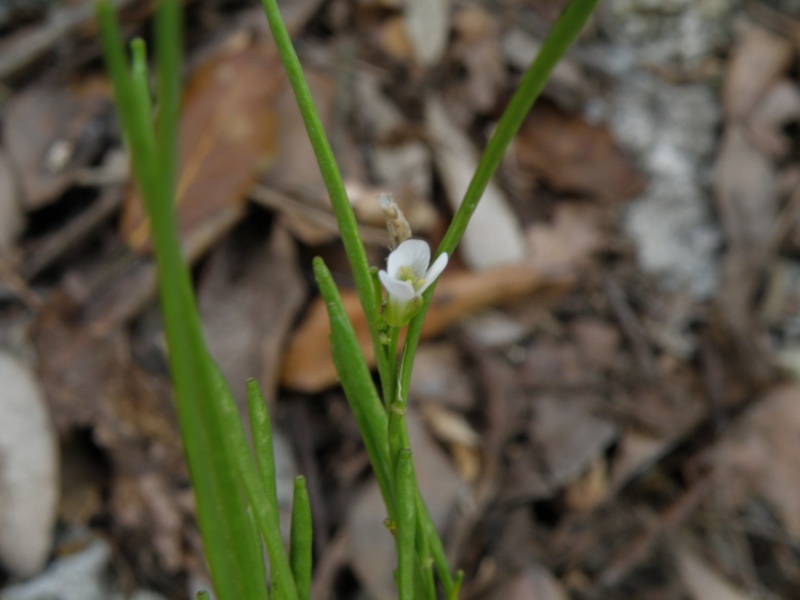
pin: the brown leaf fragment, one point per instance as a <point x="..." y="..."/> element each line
<point x="567" y="244"/>
<point x="758" y="59"/>
<point x="573" y="157"/>
<point x="308" y="366"/>
<point x="535" y="583"/>
<point x="11" y="216"/>
<point x="227" y="137"/>
<point x="760" y="457"/>
<point x="568" y="437"/>
<point x="92" y="384"/>
<point x="494" y="236"/>
<point x="440" y="378"/>
<point x="702" y="581"/>
<point x="766" y="125"/>
<point x="746" y="189"/>
<point x="248" y="301"/>
<point x="51" y="132"/>
<point x="477" y="50"/>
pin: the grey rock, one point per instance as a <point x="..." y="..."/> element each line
<point x="86" y="575"/>
<point x="29" y="480"/>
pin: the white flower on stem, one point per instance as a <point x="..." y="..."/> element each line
<point x="406" y="277"/>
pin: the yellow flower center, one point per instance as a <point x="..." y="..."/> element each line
<point x="407" y="274"/>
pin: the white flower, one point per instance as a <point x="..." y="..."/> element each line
<point x="406" y="277"/>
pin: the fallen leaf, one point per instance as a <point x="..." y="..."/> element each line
<point x="51" y="132"/>
<point x="759" y="58"/>
<point x="568" y="437"/>
<point x="591" y="489"/>
<point x="308" y="366"/>
<point x="767" y="122"/>
<point x="11" y="215"/>
<point x="476" y="49"/>
<point x="92" y="385"/>
<point x="746" y="189"/>
<point x="452" y="429"/>
<point x="573" y="157"/>
<point x="567" y="244"/>
<point x="759" y="456"/>
<point x="227" y="138"/>
<point x="535" y="583"/>
<point x="494" y="236"/>
<point x="701" y="580"/>
<point x="440" y="378"/>
<point x="294" y="172"/>
<point x="246" y="316"/>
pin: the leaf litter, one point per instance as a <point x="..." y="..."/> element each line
<point x="606" y="394"/>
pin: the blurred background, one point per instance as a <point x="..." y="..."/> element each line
<point x="606" y="403"/>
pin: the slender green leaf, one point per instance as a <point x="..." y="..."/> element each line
<point x="357" y="382"/>
<point x="236" y="568"/>
<point x="301" y="539"/>
<point x="265" y="511"/>
<point x="457" y="586"/>
<point x="139" y="74"/>
<point x="406" y="486"/>
<point x="169" y="41"/>
<point x="261" y="432"/>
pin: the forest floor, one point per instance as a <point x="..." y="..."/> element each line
<point x="606" y="403"/>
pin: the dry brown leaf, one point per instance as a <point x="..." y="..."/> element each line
<point x="453" y="429"/>
<point x="294" y="172"/>
<point x="759" y="58"/>
<point x="440" y="378"/>
<point x="536" y="583"/>
<point x="92" y="384"/>
<point x="779" y="106"/>
<point x="11" y="216"/>
<point x="566" y="244"/>
<point x="760" y="456"/>
<point x="568" y="437"/>
<point x="246" y="316"/>
<point x="746" y="190"/>
<point x="573" y="157"/>
<point x="477" y="50"/>
<point x="591" y="489"/>
<point x="393" y="39"/>
<point x="494" y="236"/>
<point x="227" y="137"/>
<point x="51" y="132"/>
<point x="308" y="366"/>
<point x="702" y="581"/>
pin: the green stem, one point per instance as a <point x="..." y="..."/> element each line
<point x="406" y="486"/>
<point x="345" y="218"/>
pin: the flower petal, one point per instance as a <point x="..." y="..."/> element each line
<point x="401" y="291"/>
<point x="436" y="269"/>
<point x="411" y="253"/>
